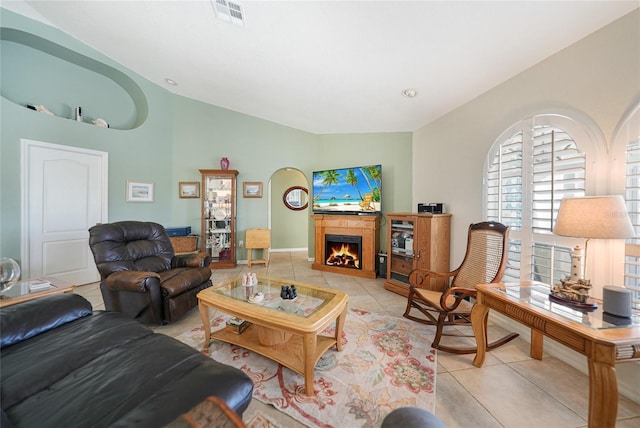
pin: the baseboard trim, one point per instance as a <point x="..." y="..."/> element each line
<point x="277" y="250"/>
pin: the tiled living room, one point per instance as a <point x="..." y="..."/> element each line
<point x="498" y="394"/>
<point x="446" y="97"/>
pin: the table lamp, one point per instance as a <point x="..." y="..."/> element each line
<point x="594" y="217"/>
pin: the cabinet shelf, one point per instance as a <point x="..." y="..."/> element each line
<point x="219" y="216"/>
<point x="416" y="241"/>
<point x="402" y="226"/>
<point x="403" y="253"/>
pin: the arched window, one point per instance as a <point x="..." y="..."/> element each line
<point x="628" y="136"/>
<point x="529" y="169"/>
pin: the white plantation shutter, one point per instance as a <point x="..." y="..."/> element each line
<point x="528" y="173"/>
<point x="504" y="184"/>
<point x="632" y="196"/>
<point x="558" y="172"/>
<point x="504" y="197"/>
<point x="512" y="272"/>
<point x="551" y="263"/>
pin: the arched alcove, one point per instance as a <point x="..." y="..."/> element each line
<point x="289" y="228"/>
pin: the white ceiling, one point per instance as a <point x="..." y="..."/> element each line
<point x="330" y="66"/>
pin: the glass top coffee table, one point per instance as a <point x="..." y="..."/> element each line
<point x="283" y="330"/>
<point x="23" y="291"/>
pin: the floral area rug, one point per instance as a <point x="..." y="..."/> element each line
<point x="385" y="363"/>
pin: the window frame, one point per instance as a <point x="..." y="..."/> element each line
<point x="627" y="132"/>
<point x="588" y="141"/>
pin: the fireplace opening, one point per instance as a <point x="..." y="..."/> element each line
<point x="343" y="251"/>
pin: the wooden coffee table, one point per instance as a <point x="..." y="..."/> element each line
<point x="284" y="331"/>
<point x="20" y="291"/>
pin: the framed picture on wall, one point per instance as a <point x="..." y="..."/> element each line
<point x="252" y="189"/>
<point x="138" y="191"/>
<point x="189" y="189"/>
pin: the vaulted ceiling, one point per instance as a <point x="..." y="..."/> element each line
<point x="329" y="66"/>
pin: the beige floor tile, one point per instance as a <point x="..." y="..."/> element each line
<point x="284" y="272"/>
<point x="188" y="322"/>
<point x="456" y="407"/>
<point x="568" y="385"/>
<point x="310" y="278"/>
<point x="628" y="423"/>
<point x="559" y="380"/>
<point x="92" y="293"/>
<point x="454" y="362"/>
<point x="513" y="400"/>
<point x="351" y="288"/>
<point x="365" y="303"/>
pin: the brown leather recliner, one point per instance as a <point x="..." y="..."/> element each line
<point x="140" y="274"/>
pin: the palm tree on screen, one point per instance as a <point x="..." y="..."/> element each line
<point x="328" y="178"/>
<point x="353" y="180"/>
<point x="373" y="178"/>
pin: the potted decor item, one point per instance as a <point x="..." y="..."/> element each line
<point x="224" y="164"/>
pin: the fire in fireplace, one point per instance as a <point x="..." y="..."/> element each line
<point x="343" y="251"/>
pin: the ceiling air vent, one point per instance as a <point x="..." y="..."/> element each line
<point x="229" y="11"/>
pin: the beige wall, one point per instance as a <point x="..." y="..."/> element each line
<point x="597" y="79"/>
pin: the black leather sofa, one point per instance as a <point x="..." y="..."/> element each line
<point x="63" y="365"/>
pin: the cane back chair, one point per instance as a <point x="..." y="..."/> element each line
<point x="484" y="262"/>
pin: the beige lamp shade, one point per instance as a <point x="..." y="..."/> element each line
<point x="600" y="217"/>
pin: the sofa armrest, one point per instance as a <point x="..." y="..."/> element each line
<point x="191" y="260"/>
<point x="129" y="280"/>
<point x="22" y="321"/>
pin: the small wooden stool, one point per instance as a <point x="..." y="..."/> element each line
<point x="258" y="239"/>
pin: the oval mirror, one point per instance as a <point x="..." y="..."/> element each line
<point x="296" y="198"/>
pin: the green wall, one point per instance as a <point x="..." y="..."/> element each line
<point x="292" y="226"/>
<point x="392" y="150"/>
<point x="162" y="137"/>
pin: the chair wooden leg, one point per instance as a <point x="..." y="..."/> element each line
<point x="439" y="329"/>
<point x="508" y="338"/>
<point x="447" y="319"/>
<point x="474" y="349"/>
<point x="431" y="320"/>
<point x="409" y="300"/>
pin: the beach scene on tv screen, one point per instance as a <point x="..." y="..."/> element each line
<point x="348" y="189"/>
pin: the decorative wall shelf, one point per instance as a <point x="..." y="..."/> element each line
<point x="37" y="71"/>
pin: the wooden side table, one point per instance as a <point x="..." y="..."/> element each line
<point x="20" y="292"/>
<point x="590" y="334"/>
<point x="259" y="239"/>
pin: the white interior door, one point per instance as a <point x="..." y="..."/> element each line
<point x="64" y="193"/>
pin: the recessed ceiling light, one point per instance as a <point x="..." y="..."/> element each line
<point x="170" y="82"/>
<point x="409" y="93"/>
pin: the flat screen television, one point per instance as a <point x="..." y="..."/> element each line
<point x="356" y="190"/>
